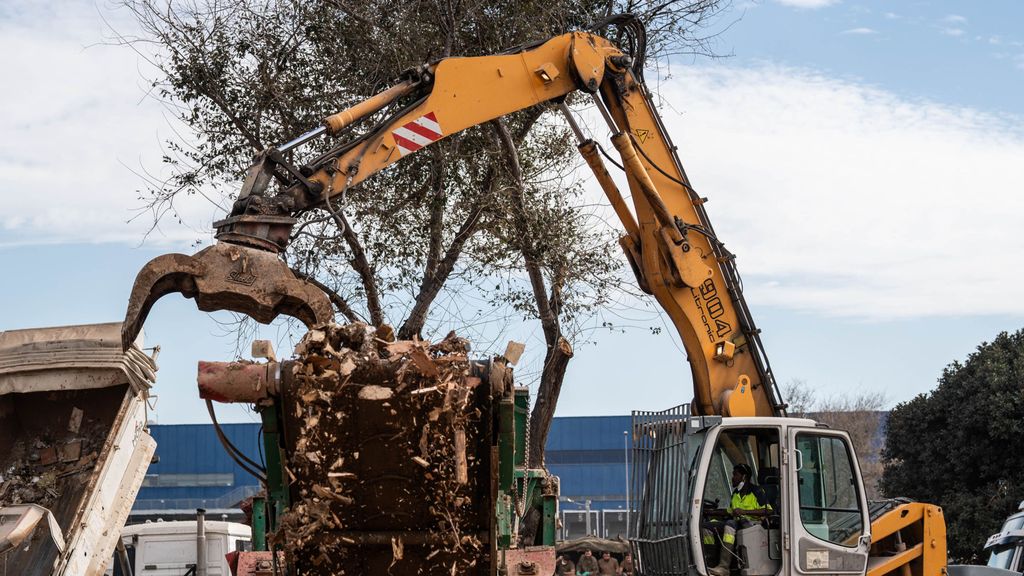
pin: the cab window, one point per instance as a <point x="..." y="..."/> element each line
<point x="830" y="507"/>
<point x="1002" y="557"/>
<point x="755" y="447"/>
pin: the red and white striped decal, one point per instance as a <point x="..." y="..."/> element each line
<point x="417" y="134"/>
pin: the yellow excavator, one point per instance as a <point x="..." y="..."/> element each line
<point x="821" y="521"/>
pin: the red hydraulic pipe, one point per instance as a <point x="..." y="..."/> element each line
<point x="238" y="381"/>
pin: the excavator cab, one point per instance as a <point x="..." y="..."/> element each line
<point x="1005" y="549"/>
<point x="818" y="519"/>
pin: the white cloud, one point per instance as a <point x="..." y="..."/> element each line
<point x="952" y="25"/>
<point x="839" y="199"/>
<point x="808" y="4"/>
<point x="846" y="200"/>
<point x="891" y="16"/>
<point x="76" y="127"/>
<point x="860" y="31"/>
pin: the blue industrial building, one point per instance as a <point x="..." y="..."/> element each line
<point x="192" y="470"/>
<point x="588" y="454"/>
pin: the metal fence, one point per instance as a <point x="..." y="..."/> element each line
<point x="225" y="501"/>
<point x="658" y="533"/>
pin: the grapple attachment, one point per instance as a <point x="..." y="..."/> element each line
<point x="248" y="279"/>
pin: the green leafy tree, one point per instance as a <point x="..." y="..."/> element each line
<point x="960" y="446"/>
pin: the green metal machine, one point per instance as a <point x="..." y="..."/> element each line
<point x="523" y="501"/>
<point x="522" y="491"/>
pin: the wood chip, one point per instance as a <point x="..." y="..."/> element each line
<point x="328" y="494"/>
<point x="461" y="468"/>
<point x="385" y="332"/>
<point x="374" y="392"/>
<point x="75" y="422"/>
<point x="48" y="456"/>
<point x="397" y="550"/>
<point x="400" y="348"/>
<point x="70" y="452"/>
<point x="346" y="367"/>
<point x="513" y="351"/>
<point x="424" y="363"/>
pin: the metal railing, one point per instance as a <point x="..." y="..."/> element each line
<point x="658" y="535"/>
<point x="224" y="501"/>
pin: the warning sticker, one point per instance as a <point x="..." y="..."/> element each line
<point x="414" y="135"/>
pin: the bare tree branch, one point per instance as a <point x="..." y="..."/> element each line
<point x="362" y="266"/>
<point x="340" y="303"/>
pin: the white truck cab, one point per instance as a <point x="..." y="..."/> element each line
<point x="170" y="548"/>
<point x="1005" y="548"/>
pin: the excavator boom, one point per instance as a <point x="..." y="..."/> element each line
<point x="669" y="242"/>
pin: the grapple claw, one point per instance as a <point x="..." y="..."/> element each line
<point x="226" y="276"/>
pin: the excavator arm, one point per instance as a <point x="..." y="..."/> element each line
<point x="670" y="243"/>
<point x="668" y="238"/>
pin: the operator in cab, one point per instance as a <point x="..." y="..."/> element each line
<point x="747" y="507"/>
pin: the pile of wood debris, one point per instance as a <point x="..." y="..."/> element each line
<point x="390" y="456"/>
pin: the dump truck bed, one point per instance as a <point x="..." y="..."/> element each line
<point x="73" y="439"/>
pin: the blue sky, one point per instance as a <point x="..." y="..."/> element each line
<point x="966" y="53"/>
<point x="863" y="159"/>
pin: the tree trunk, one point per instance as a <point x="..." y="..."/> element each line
<point x="559" y="350"/>
<point x="555" y="363"/>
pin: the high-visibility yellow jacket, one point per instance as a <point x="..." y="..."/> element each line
<point x="748" y="498"/>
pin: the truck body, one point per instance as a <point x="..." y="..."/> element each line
<point x="1005" y="548"/>
<point x="73" y="441"/>
<point x="170" y="548"/>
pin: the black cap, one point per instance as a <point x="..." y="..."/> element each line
<point x="743" y="469"/>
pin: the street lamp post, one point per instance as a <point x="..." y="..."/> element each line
<point x="625" y="451"/>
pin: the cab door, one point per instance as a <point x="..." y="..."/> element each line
<point x="828" y="523"/>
